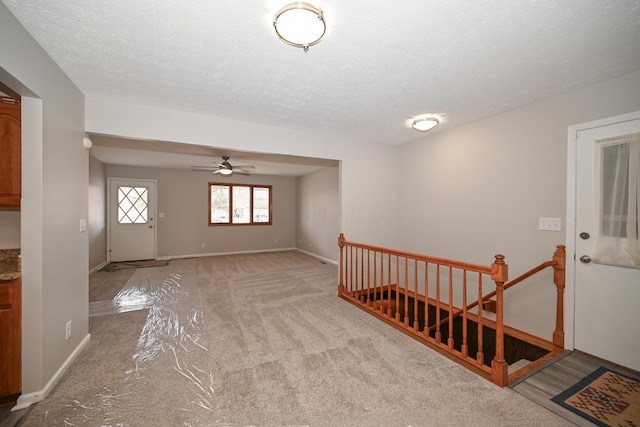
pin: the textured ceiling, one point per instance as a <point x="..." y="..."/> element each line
<point x="380" y="63"/>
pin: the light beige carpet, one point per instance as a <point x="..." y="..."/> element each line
<point x="262" y="340"/>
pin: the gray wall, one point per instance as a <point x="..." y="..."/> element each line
<point x="54" y="199"/>
<point x="97" y="226"/>
<point x="364" y="215"/>
<point x="183" y="198"/>
<point x="317" y="224"/>
<point x="478" y="190"/>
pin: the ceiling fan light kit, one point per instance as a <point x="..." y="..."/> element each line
<point x="300" y="24"/>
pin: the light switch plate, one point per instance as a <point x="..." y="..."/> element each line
<point x="550" y="224"/>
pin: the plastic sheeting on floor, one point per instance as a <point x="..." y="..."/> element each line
<point x="167" y="361"/>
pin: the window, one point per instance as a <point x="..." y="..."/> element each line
<point x="614" y="206"/>
<point x="132" y="205"/>
<point x="239" y="204"/>
<point x="617" y="194"/>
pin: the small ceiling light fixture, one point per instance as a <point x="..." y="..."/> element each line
<point x="300" y="24"/>
<point x="425" y="123"/>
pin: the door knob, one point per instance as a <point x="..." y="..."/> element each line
<point x="585" y="258"/>
<point x="584" y="236"/>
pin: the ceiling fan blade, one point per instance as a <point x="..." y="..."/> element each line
<point x="204" y="168"/>
<point x="243" y="166"/>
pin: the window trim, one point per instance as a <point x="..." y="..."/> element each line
<point x="229" y="215"/>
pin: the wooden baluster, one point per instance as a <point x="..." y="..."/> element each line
<point x="375" y="279"/>
<point x="450" y="315"/>
<point x="389" y="308"/>
<point x="347" y="266"/>
<point x="361" y="281"/>
<point x="356" y="273"/>
<point x="382" y="282"/>
<point x="406" y="292"/>
<point x="365" y="277"/>
<point x="341" y="283"/>
<point x="368" y="299"/>
<point x="559" y="262"/>
<point x="350" y="270"/>
<point x="356" y="277"/>
<point x="416" y="323"/>
<point x="480" y="354"/>
<point x="465" y="347"/>
<point x="437" y="337"/>
<point x="397" y="316"/>
<point x="499" y="367"/>
<point x="425" y="329"/>
<point x="351" y="277"/>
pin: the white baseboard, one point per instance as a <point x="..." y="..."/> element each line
<point x="29" y="399"/>
<point x="224" y="253"/>
<point x="327" y="260"/>
<point x="99" y="267"/>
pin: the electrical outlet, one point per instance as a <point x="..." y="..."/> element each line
<point x="202" y="245"/>
<point x="550" y="224"/>
<point x="275" y="241"/>
<point x="68" y="330"/>
<point x="83" y="225"/>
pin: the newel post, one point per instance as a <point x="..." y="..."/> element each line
<point x="341" y="244"/>
<point x="499" y="367"/>
<point x="559" y="262"/>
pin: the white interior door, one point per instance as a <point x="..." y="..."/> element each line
<point x="132" y="230"/>
<point x="607" y="298"/>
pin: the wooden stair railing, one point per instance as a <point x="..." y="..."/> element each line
<point x="558" y="264"/>
<point x="421" y="296"/>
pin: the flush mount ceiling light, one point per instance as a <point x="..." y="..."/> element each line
<point x="300" y="24"/>
<point x="425" y="123"/>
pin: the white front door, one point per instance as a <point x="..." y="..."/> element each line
<point x="132" y="230"/>
<point x="607" y="297"/>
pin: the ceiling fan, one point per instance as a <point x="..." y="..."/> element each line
<point x="225" y="168"/>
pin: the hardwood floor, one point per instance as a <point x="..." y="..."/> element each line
<point x="561" y="373"/>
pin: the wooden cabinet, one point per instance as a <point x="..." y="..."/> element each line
<point x="10" y="342"/>
<point x="10" y="153"/>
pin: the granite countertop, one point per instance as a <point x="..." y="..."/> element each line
<point x="10" y="264"/>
